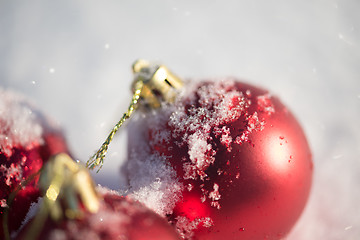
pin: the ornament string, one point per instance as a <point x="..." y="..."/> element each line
<point x="154" y="84"/>
<point x="97" y="160"/>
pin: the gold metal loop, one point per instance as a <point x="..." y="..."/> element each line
<point x="160" y="84"/>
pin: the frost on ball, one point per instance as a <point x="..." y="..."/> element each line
<point x="27" y="139"/>
<point x="218" y="162"/>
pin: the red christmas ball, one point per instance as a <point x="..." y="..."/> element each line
<point x="117" y="218"/>
<point x="226" y="161"/>
<point x="27" y="140"/>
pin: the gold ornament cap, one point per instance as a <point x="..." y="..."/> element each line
<point x="160" y="84"/>
<point x="68" y="188"/>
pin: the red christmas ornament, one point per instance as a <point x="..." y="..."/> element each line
<point x="27" y="140"/>
<point x="219" y="160"/>
<point x="72" y="208"/>
<point x="226" y="161"/>
<point x="118" y="218"/>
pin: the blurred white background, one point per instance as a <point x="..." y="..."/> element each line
<point x="74" y="57"/>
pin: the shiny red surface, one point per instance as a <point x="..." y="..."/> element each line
<point x="264" y="182"/>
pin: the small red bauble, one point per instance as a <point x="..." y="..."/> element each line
<point x="117" y="218"/>
<point x="226" y="161"/>
<point x="27" y="140"/>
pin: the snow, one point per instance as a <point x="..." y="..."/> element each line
<point x="215" y="196"/>
<point x="265" y="104"/>
<point x="195" y="119"/>
<point x="152" y="180"/>
<point x="13" y="172"/>
<point x="292" y="48"/>
<point x="20" y="124"/>
<point x="185" y="228"/>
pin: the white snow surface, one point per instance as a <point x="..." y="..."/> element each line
<point x="73" y="59"/>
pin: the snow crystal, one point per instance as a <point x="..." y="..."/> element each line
<point x="9" y="173"/>
<point x="265" y="104"/>
<point x="19" y="122"/>
<point x="254" y="123"/>
<point x="3" y="203"/>
<point x="225" y="138"/>
<point x="185" y="227"/>
<point x="215" y="196"/>
<point x="200" y="152"/>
